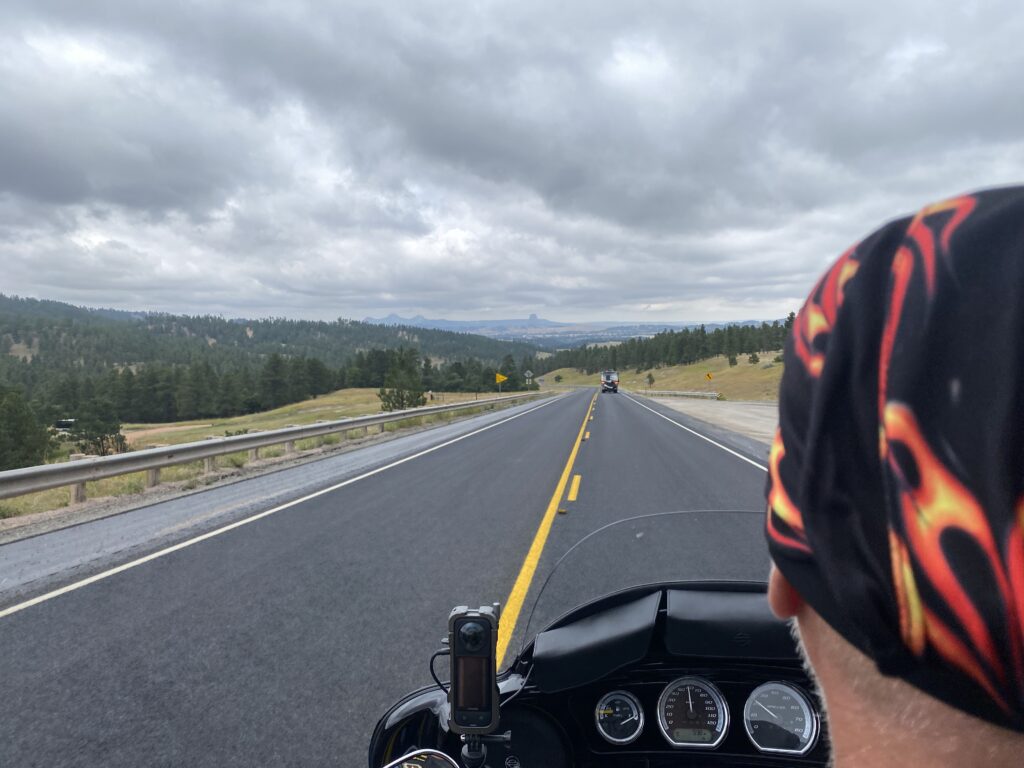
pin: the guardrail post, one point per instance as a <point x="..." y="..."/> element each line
<point x="150" y="460"/>
<point x="210" y="462"/>
<point x="289" y="446"/>
<point x="78" y="489"/>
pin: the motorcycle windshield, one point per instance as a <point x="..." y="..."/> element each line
<point x="650" y="550"/>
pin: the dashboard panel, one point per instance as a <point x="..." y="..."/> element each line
<point x="646" y="682"/>
<point x="679" y="676"/>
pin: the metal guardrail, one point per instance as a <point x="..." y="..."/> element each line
<point x="675" y="393"/>
<point x="17" y="482"/>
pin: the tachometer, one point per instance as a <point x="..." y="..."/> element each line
<point x="692" y="713"/>
<point x="619" y="717"/>
<point x="780" y="719"/>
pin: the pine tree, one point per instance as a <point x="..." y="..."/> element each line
<point x="24" y="441"/>
<point x="273" y="383"/>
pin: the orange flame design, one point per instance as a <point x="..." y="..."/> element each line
<point x="781" y="505"/>
<point x="920" y="239"/>
<point x="1015" y="565"/>
<point x="939" y="502"/>
<point x="907" y="597"/>
<point x="818" y="315"/>
<point x="902" y="269"/>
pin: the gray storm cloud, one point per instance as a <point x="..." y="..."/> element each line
<point x="663" y="162"/>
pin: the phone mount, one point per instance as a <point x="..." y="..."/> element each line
<point x="474" y="751"/>
<point x="473" y="697"/>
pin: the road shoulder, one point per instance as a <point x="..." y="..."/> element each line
<point x="38" y="563"/>
<point x="756" y="421"/>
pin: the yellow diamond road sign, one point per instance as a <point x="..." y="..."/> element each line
<point x="708" y="376"/>
<point x="498" y="378"/>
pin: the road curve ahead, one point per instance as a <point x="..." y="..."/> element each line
<point x="281" y="641"/>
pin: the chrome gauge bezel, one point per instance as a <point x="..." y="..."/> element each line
<point x="640" y="717"/>
<point x="801" y="697"/>
<point x="716" y="695"/>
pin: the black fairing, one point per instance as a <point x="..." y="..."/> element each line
<point x="642" y="637"/>
<point x="726" y="620"/>
<point x="582" y="651"/>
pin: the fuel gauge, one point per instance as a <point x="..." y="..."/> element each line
<point x="619" y="717"/>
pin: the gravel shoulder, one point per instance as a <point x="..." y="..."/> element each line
<point x="755" y="420"/>
<point x="34" y="524"/>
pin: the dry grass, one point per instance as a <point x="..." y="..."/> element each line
<point x="344" y="403"/>
<point x="337" y="405"/>
<point x="759" y="382"/>
<point x="25" y="351"/>
<point x="122" y="485"/>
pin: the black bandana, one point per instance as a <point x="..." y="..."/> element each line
<point x="896" y="485"/>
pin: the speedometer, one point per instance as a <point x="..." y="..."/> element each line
<point x="692" y="713"/>
<point x="779" y="718"/>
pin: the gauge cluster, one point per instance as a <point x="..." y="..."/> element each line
<point x="778" y="717"/>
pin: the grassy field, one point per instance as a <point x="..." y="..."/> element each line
<point x="337" y="405"/>
<point x="342" y="404"/>
<point x="740" y="382"/>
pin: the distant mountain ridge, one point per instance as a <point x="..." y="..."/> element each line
<point x="55" y="334"/>
<point x="419" y="321"/>
<point x="549" y="334"/>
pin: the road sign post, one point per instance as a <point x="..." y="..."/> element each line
<point x="498" y="378"/>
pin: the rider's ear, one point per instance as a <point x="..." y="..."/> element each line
<point x="783" y="599"/>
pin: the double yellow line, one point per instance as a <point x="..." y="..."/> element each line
<point x="514" y="603"/>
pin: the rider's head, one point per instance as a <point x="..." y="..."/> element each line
<point x="896" y="488"/>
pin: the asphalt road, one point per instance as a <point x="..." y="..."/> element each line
<point x="281" y="641"/>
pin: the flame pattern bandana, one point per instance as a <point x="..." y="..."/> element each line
<point x="896" y="478"/>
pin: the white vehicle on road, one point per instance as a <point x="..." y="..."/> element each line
<point x="609" y="381"/>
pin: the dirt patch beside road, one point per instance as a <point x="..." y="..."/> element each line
<point x="135" y="436"/>
<point x="755" y="420"/>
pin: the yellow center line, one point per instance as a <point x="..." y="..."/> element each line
<point x="574" y="489"/>
<point x="514" y="603"/>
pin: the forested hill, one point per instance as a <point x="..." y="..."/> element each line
<point x="69" y="361"/>
<point x="61" y="335"/>
<point x="87" y="371"/>
<point x="673" y="348"/>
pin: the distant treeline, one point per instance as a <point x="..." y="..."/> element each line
<point x="161" y="393"/>
<point x="93" y="407"/>
<point x="165" y="367"/>
<point x="102" y="368"/>
<point x="689" y="345"/>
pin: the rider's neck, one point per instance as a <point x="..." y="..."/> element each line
<point x="884" y="722"/>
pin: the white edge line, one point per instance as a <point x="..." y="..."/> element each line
<point x="693" y="432"/>
<point x="253" y="518"/>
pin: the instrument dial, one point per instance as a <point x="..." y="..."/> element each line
<point x="619" y="717"/>
<point x="692" y="713"/>
<point x="780" y="719"/>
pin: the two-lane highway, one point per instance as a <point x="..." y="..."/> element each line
<point x="281" y="640"/>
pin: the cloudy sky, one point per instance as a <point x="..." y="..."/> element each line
<point x="651" y="161"/>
